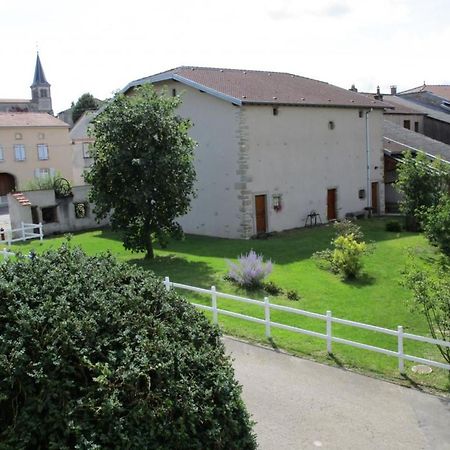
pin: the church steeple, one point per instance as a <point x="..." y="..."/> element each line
<point x="39" y="75"/>
<point x="40" y="89"/>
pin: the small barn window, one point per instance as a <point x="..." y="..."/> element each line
<point x="362" y="193"/>
<point x="331" y="125"/>
<point x="407" y="124"/>
<point x="360" y="113"/>
<point x="275" y="111"/>
<point x="49" y="214"/>
<point x="416" y="127"/>
<point x="174" y="92"/>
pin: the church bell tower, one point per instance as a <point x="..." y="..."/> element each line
<point x="41" y="99"/>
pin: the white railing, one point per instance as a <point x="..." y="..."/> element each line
<point x="25" y="232"/>
<point x="328" y="318"/>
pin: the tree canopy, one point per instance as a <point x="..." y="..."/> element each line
<point x="86" y="102"/>
<point x="421" y="182"/>
<point x="142" y="172"/>
<point x="96" y="354"/>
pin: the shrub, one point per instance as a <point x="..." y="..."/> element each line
<point x="347" y="227"/>
<point x="95" y="354"/>
<point x="272" y="289"/>
<point x="346" y="256"/>
<point x="430" y="286"/>
<point x="250" y="270"/>
<point x="293" y="295"/>
<point x="436" y="224"/>
<point x="394" y="226"/>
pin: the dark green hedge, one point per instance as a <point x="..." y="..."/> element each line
<point x="95" y="354"/>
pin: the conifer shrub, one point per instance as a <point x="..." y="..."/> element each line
<point x="96" y="354"/>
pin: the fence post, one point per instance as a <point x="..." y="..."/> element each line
<point x="167" y="283"/>
<point x="9" y="234"/>
<point x="267" y="316"/>
<point x="401" y="361"/>
<point x="23" y="232"/>
<point x="329" y="349"/>
<point x="214" y="304"/>
<point x="41" y="231"/>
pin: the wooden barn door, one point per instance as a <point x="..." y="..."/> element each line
<point x="374" y="197"/>
<point x="331" y="204"/>
<point x="260" y="209"/>
<point x="7" y="185"/>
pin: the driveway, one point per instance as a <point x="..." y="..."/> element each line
<point x="300" y="404"/>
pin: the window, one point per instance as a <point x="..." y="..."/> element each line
<point x="174" y="92"/>
<point x="19" y="152"/>
<point x="2" y="156"/>
<point x="407" y="124"/>
<point x="43" y="93"/>
<point x="42" y="172"/>
<point x="275" y="111"/>
<point x="416" y="127"/>
<point x="42" y="151"/>
<point x="331" y="125"/>
<point x="49" y="214"/>
<point x="86" y="150"/>
<point x="18" y="136"/>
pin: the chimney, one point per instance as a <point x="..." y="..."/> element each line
<point x="394" y="90"/>
<point x="353" y="88"/>
<point x="378" y="96"/>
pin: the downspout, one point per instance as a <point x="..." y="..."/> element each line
<point x="369" y="191"/>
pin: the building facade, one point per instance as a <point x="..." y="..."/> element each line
<point x="32" y="145"/>
<point x="275" y="150"/>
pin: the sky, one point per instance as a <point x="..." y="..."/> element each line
<point x="99" y="46"/>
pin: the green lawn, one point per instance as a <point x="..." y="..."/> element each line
<point x="378" y="298"/>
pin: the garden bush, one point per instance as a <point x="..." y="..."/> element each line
<point x="272" y="288"/>
<point x="95" y="354"/>
<point x="394" y="226"/>
<point x="345" y="256"/>
<point x="346" y="227"/>
<point x="250" y="270"/>
<point x="292" y="295"/>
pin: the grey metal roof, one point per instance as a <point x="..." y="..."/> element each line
<point x="39" y="75"/>
<point x="433" y="113"/>
<point x="397" y="139"/>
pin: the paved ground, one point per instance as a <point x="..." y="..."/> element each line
<point x="299" y="404"/>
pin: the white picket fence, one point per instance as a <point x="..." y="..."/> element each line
<point x="24" y="233"/>
<point x="328" y="318"/>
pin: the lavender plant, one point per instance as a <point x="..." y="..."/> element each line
<point x="250" y="270"/>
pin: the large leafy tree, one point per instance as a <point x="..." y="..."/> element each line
<point x="143" y="173"/>
<point x="86" y="102"/>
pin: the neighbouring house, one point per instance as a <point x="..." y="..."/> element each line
<point x="275" y="150"/>
<point x="59" y="212"/>
<point x="41" y="99"/>
<point x="434" y="102"/>
<point x="396" y="141"/>
<point x="81" y="142"/>
<point x="32" y="145"/>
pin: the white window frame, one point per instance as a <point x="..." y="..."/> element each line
<point x="19" y="152"/>
<point x="42" y="150"/>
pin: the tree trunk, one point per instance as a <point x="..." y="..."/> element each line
<point x="148" y="242"/>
